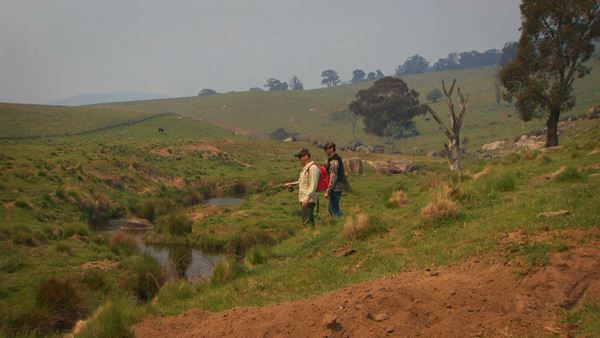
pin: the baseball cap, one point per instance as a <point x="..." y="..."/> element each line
<point x="302" y="152"/>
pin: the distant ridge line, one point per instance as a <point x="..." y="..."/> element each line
<point x="85" y="132"/>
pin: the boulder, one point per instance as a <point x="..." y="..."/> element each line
<point x="136" y="224"/>
<point x="391" y="166"/>
<point x="353" y="166"/>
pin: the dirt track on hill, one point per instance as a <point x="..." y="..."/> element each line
<point x="480" y="297"/>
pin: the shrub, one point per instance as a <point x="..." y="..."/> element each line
<point x="178" y="225"/>
<point x="173" y="292"/>
<point x="22" y="235"/>
<point x="226" y="270"/>
<point x="62" y="247"/>
<point x="357" y="226"/>
<point x="441" y="209"/>
<point x="238" y="189"/>
<point x="11" y="265"/>
<point x="144" y="277"/>
<point x="23" y="204"/>
<point x="570" y="174"/>
<point x="62" y="302"/>
<point x="144" y="209"/>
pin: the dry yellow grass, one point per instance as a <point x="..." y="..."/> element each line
<point x="439" y="210"/>
<point x="356" y="226"/>
<point x="398" y="199"/>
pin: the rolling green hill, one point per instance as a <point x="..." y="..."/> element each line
<point x="317" y="114"/>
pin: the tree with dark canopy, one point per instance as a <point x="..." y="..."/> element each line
<point x="556" y="41"/>
<point x="358" y="75"/>
<point x="371" y="76"/>
<point x="415" y="64"/>
<point x="434" y="95"/>
<point x="276" y="85"/>
<point x="387" y="108"/>
<point x="330" y="78"/>
<point x="207" y="92"/>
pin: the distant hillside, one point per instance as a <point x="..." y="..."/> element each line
<point x="94" y="98"/>
<point x="27" y="120"/>
<point x="320" y="114"/>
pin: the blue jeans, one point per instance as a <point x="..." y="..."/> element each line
<point x="334" y="203"/>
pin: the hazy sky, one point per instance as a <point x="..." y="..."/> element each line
<point x="52" y="49"/>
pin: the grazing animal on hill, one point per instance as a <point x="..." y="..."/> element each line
<point x="161" y="130"/>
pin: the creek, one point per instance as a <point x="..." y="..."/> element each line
<point x="179" y="260"/>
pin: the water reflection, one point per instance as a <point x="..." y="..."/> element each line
<point x="180" y="261"/>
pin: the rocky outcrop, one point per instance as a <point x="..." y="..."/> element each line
<point x="353" y="166"/>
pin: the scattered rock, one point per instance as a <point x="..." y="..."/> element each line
<point x="554" y="213"/>
<point x="389" y="329"/>
<point x="494" y="145"/>
<point x="329" y="321"/>
<point x="379" y="317"/>
<point x="290" y="139"/>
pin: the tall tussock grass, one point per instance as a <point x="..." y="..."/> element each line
<point x="226" y="270"/>
<point x="360" y="225"/>
<point x="440" y="210"/>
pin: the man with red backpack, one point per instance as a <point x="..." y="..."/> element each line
<point x="307" y="186"/>
<point x="337" y="179"/>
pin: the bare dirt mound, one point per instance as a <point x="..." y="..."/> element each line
<point x="481" y="297"/>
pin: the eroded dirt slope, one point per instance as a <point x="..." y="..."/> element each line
<point x="480" y="297"/>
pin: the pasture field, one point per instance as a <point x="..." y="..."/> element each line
<point x="18" y="121"/>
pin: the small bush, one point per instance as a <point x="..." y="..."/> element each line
<point x="226" y="270"/>
<point x="144" y="277"/>
<point x="238" y="189"/>
<point x="570" y="174"/>
<point x="174" y="291"/>
<point x="22" y="235"/>
<point x="439" y="210"/>
<point x="178" y="225"/>
<point x="144" y="209"/>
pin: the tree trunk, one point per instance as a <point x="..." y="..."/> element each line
<point x="552" y="128"/>
<point x="454" y="154"/>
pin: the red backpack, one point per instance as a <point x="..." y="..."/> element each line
<point x="323" y="178"/>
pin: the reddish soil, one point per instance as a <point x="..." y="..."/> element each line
<point x="481" y="297"/>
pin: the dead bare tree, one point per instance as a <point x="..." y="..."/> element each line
<point x="452" y="133"/>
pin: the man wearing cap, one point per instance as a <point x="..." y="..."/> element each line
<point x="337" y="179"/>
<point x="307" y="186"/>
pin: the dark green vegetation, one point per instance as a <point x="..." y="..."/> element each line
<point x="55" y="193"/>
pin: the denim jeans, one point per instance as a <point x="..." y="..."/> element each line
<point x="334" y="203"/>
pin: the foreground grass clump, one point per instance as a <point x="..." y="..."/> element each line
<point x="178" y="225"/>
<point x="121" y="243"/>
<point x="440" y="210"/>
<point x="58" y="306"/>
<point x="570" y="174"/>
<point x="360" y="226"/>
<point x="257" y="255"/>
<point x="113" y="319"/>
<point x="226" y="270"/>
<point x="397" y="199"/>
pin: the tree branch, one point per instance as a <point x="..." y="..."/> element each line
<point x="439" y="121"/>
